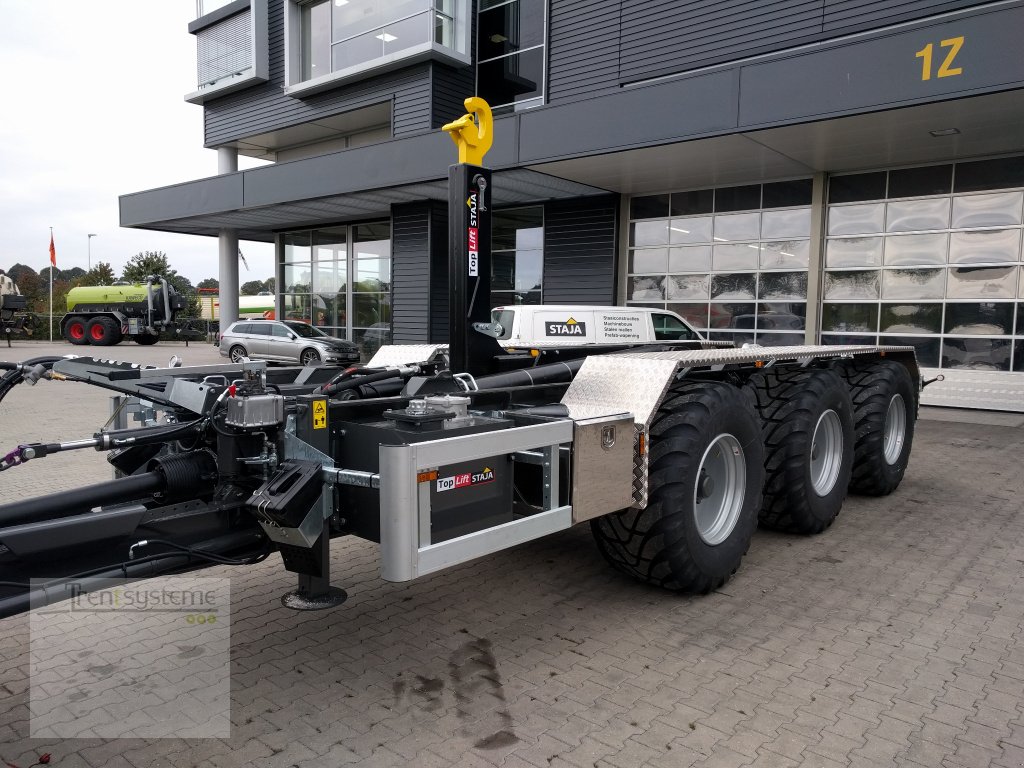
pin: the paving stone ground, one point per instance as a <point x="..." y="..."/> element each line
<point x="894" y="638"/>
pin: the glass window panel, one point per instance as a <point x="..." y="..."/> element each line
<point x="856" y="219"/>
<point x="693" y="258"/>
<point x="858" y="340"/>
<point x="529" y="270"/>
<point x="695" y="314"/>
<point x="1020" y="319"/>
<point x="785" y="193"/>
<point x="908" y="215"/>
<point x="648" y="233"/>
<point x="503" y="270"/>
<point x="330" y="309"/>
<point x="989" y="174"/>
<point x="649" y="207"/>
<point x="983" y="319"/>
<point x="916" y="249"/>
<point x="329" y="277"/>
<point x="981" y="283"/>
<point x="927" y="348"/>
<point x="855" y="187"/>
<point x="989" y="246"/>
<point x="786" y="254"/>
<point x="851" y="285"/>
<point x="356" y="51"/>
<point x="911" y="318"/>
<point x="743" y="198"/>
<point x="696" y="229"/>
<point x="296" y="247"/>
<point x="850" y="318"/>
<point x="518" y="228"/>
<point x="737" y="226"/>
<point x="913" y="283"/>
<point x="731" y="315"/>
<point x="695" y="201"/>
<point x="507" y="298"/>
<point x="987" y="210"/>
<point x="316" y="40"/>
<point x="298" y="278"/>
<point x="735" y="286"/>
<point x="358" y="16"/>
<point x="510" y="27"/>
<point x="976" y="354"/>
<point x="444" y="30"/>
<point x="853" y="252"/>
<point x="778" y="225"/>
<point x="372" y="275"/>
<point x="297" y="307"/>
<point x="1018" y="355"/>
<point x="370" y="308"/>
<point x="686" y="287"/>
<point x="329" y="245"/>
<point x="406" y="33"/>
<point x="1020" y="284"/>
<point x="781" y="324"/>
<point x="730" y="337"/>
<point x="915" y="182"/>
<point x="646" y="288"/>
<point x="782" y="285"/>
<point x="647" y="260"/>
<point x="513" y="78"/>
<point x="738" y="256"/>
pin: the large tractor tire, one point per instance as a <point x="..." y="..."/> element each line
<point x="704" y="482"/>
<point x="885" y="410"/>
<point x="75" y="331"/>
<point x="147" y="339"/>
<point x="807" y="428"/>
<point x="103" y="332"/>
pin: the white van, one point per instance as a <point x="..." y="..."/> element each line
<point x="554" y="325"/>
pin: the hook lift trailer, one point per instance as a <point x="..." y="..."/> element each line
<point x="672" y="452"/>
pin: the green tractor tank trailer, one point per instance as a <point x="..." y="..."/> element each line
<point x="105" y="315"/>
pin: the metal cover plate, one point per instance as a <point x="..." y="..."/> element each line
<point x="403" y="354"/>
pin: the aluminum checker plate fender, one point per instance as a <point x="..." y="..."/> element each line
<point x="637" y="382"/>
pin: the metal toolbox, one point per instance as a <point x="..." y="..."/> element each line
<point x="602" y="466"/>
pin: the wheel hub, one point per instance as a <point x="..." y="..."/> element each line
<point x="895" y="431"/>
<point x="720" y="489"/>
<point x="826" y="453"/>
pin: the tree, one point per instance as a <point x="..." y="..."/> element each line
<point x="210" y="282"/>
<point x="146" y="263"/>
<point x="252" y="288"/>
<point x="270" y="284"/>
<point x="101" y="274"/>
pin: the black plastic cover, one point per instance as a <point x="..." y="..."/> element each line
<point x="286" y="498"/>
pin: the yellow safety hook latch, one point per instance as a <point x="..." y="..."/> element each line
<point x="472" y="132"/>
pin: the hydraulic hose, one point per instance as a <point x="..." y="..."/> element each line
<point x="524" y="377"/>
<point x="359" y="381"/>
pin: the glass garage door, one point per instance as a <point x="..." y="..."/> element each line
<point x="929" y="257"/>
<point x="731" y="260"/>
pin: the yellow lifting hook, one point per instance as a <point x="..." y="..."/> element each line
<point x="472" y="132"/>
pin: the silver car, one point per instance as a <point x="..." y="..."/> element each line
<point x="285" y="341"/>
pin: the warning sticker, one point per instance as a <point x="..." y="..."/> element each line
<point x="319" y="414"/>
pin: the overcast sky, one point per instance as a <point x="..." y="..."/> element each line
<point x="93" y="108"/>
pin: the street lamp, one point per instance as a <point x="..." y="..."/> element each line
<point x="89" y="249"/>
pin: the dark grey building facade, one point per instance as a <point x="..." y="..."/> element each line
<point x="775" y="171"/>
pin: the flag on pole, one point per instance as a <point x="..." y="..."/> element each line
<point x="53" y="252"/>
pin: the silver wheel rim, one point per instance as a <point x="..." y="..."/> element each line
<point x="720" y="488"/>
<point x="237" y="355"/>
<point x="895" y="432"/>
<point x="309" y="357"/>
<point x="826" y="453"/>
